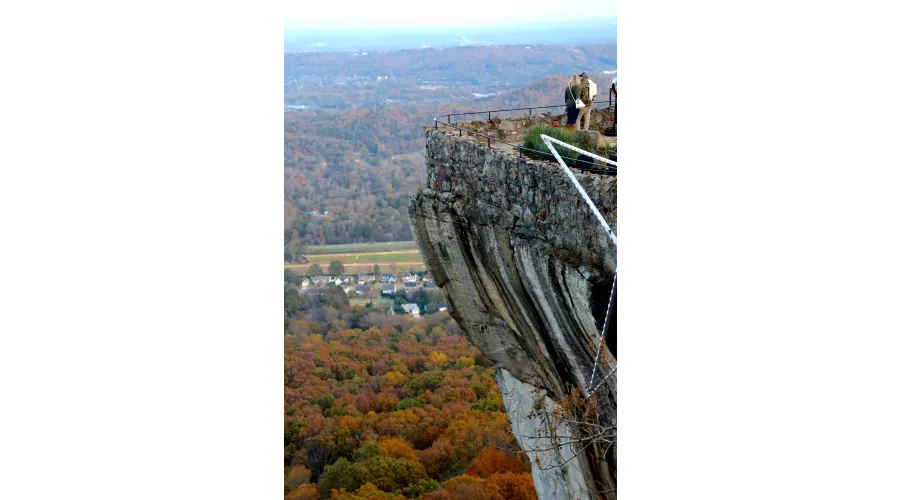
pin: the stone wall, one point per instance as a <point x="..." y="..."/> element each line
<point x="512" y="129"/>
<point x="523" y="263"/>
<point x="537" y="193"/>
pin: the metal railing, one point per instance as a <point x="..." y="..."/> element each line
<point x="609" y="168"/>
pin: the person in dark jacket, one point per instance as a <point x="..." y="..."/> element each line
<point x="573" y="93"/>
<point x="614" y="94"/>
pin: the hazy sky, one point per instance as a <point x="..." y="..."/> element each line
<point x="374" y="14"/>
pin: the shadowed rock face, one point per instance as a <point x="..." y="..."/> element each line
<point x="525" y="266"/>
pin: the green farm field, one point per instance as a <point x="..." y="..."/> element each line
<point x="361" y="248"/>
<point x="376" y="303"/>
<point x="403" y="256"/>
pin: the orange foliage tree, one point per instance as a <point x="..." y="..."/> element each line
<point x="396" y="448"/>
<point x="491" y="461"/>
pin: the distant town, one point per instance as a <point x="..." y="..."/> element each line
<point x="402" y="293"/>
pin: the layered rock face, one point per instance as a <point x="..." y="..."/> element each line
<point x="526" y="270"/>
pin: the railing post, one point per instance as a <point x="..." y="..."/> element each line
<point x="489" y="116"/>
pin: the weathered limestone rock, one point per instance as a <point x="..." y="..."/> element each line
<point x="556" y="475"/>
<point x="593" y="135"/>
<point x="524" y="266"/>
<point x="508" y="125"/>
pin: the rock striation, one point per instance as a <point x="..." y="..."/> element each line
<point x="527" y="270"/>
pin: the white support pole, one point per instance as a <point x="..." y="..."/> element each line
<point x="549" y="142"/>
<point x="592" y="155"/>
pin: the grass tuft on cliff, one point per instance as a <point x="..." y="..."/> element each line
<point x="533" y="137"/>
<point x="533" y="141"/>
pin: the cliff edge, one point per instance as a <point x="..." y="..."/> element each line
<point x="527" y="271"/>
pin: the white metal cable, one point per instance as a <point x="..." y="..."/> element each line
<point x="612" y="295"/>
<point x="592" y="155"/>
<point x="548" y="141"/>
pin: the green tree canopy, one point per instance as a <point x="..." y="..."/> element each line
<point x="335" y="297"/>
<point x="335" y="268"/>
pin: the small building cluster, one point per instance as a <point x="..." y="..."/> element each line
<point x="381" y="288"/>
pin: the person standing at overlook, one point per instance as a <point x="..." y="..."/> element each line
<point x="573" y="95"/>
<point x="614" y="92"/>
<point x="588" y="90"/>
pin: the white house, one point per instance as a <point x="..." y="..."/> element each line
<point x="411" y="309"/>
<point x="305" y="282"/>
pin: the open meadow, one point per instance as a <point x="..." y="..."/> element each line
<point x="366" y="258"/>
<point x="364" y="262"/>
<point x="361" y="247"/>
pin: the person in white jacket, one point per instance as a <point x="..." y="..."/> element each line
<point x="588" y="90"/>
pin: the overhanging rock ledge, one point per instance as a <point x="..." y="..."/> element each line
<point x="526" y="270"/>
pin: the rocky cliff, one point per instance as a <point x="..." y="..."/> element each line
<point x="527" y="271"/>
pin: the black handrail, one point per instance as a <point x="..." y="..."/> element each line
<point x="608" y="170"/>
<point x="608" y="105"/>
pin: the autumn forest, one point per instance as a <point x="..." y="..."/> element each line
<point x="390" y="407"/>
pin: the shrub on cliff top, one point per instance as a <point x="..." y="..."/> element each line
<point x="533" y="141"/>
<point x="533" y="137"/>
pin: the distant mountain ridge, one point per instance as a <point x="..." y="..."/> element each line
<point x="547" y="91"/>
<point x="598" y="30"/>
<point x="516" y="64"/>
